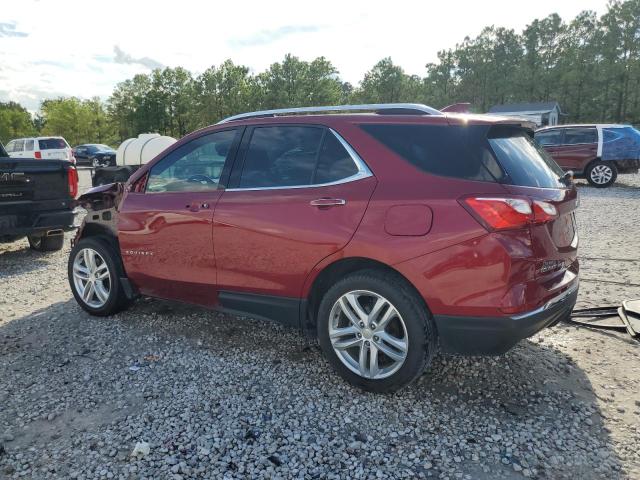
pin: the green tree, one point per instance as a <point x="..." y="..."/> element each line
<point x="15" y="122"/>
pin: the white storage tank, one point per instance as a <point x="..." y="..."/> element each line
<point x="140" y="150"/>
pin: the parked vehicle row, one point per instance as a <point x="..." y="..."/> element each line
<point x="596" y="152"/>
<point x="386" y="234"/>
<point x="41" y="148"/>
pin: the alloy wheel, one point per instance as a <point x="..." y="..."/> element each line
<point x="601" y="174"/>
<point x="91" y="277"/>
<point x="368" y="334"/>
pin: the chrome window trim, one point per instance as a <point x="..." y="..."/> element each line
<point x="363" y="171"/>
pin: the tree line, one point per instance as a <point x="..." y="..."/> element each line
<point x="590" y="65"/>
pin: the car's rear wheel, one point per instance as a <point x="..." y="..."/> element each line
<point x="44" y="243"/>
<point x="602" y="174"/>
<point x="95" y="162"/>
<point x="94" y="272"/>
<point x="375" y="331"/>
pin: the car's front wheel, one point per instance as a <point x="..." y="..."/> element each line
<point x="375" y="331"/>
<point x="602" y="174"/>
<point x="94" y="272"/>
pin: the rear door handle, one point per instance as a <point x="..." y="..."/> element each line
<point x="328" y="202"/>
<point x="196" y="206"/>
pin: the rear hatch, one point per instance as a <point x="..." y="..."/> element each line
<point x="529" y="171"/>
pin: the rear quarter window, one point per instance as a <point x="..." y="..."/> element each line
<point x="503" y="154"/>
<point x="450" y="151"/>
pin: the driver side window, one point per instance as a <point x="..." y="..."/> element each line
<point x="193" y="167"/>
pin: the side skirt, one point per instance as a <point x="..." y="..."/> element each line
<point x="284" y="310"/>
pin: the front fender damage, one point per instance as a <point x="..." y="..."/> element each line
<point x="101" y="204"/>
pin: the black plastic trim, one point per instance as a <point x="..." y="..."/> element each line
<point x="496" y="335"/>
<point x="284" y="310"/>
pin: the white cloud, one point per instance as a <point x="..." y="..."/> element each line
<point x="51" y="48"/>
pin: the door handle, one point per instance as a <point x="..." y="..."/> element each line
<point x="328" y="202"/>
<point x="195" y="207"/>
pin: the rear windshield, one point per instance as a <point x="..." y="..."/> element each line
<point x="52" y="143"/>
<point x="472" y="152"/>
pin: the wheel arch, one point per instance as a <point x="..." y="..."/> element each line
<point x="336" y="270"/>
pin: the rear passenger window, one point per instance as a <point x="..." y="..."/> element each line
<point x="575" y="136"/>
<point x="553" y="137"/>
<point x="28" y="145"/>
<point x="281" y="157"/>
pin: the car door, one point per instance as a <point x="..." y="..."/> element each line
<point x="165" y="231"/>
<point x="28" y="151"/>
<point x="298" y="194"/>
<point x="579" y="147"/>
<point x="81" y="154"/>
<point x="18" y="149"/>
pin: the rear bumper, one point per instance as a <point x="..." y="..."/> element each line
<point x="38" y="223"/>
<point x="496" y="335"/>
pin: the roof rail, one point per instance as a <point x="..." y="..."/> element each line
<point x="381" y="108"/>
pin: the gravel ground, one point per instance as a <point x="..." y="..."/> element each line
<point x="206" y="395"/>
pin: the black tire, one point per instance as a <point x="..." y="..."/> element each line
<point x="420" y="329"/>
<point x="117" y="299"/>
<point x="606" y="168"/>
<point x="41" y="243"/>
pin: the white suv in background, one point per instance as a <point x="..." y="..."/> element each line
<point x="46" y="148"/>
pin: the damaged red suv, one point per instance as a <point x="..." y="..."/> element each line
<point x="388" y="233"/>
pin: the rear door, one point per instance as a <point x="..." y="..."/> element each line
<point x="17" y="149"/>
<point x="165" y="232"/>
<point x="299" y="193"/>
<point x="579" y="147"/>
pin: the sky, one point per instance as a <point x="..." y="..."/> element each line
<point x="52" y="48"/>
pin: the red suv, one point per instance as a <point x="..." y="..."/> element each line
<point x="388" y="234"/>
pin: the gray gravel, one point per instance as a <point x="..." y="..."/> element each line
<point x="170" y="391"/>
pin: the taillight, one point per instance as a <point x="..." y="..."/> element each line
<point x="508" y="213"/>
<point x="72" y="178"/>
<point x="544" y="211"/>
<point x="38" y="155"/>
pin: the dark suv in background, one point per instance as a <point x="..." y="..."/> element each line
<point x="388" y="231"/>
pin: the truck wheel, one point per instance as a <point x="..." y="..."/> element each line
<point x="375" y="331"/>
<point x="42" y="243"/>
<point x="95" y="163"/>
<point x="94" y="272"/>
<point x="601" y="174"/>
